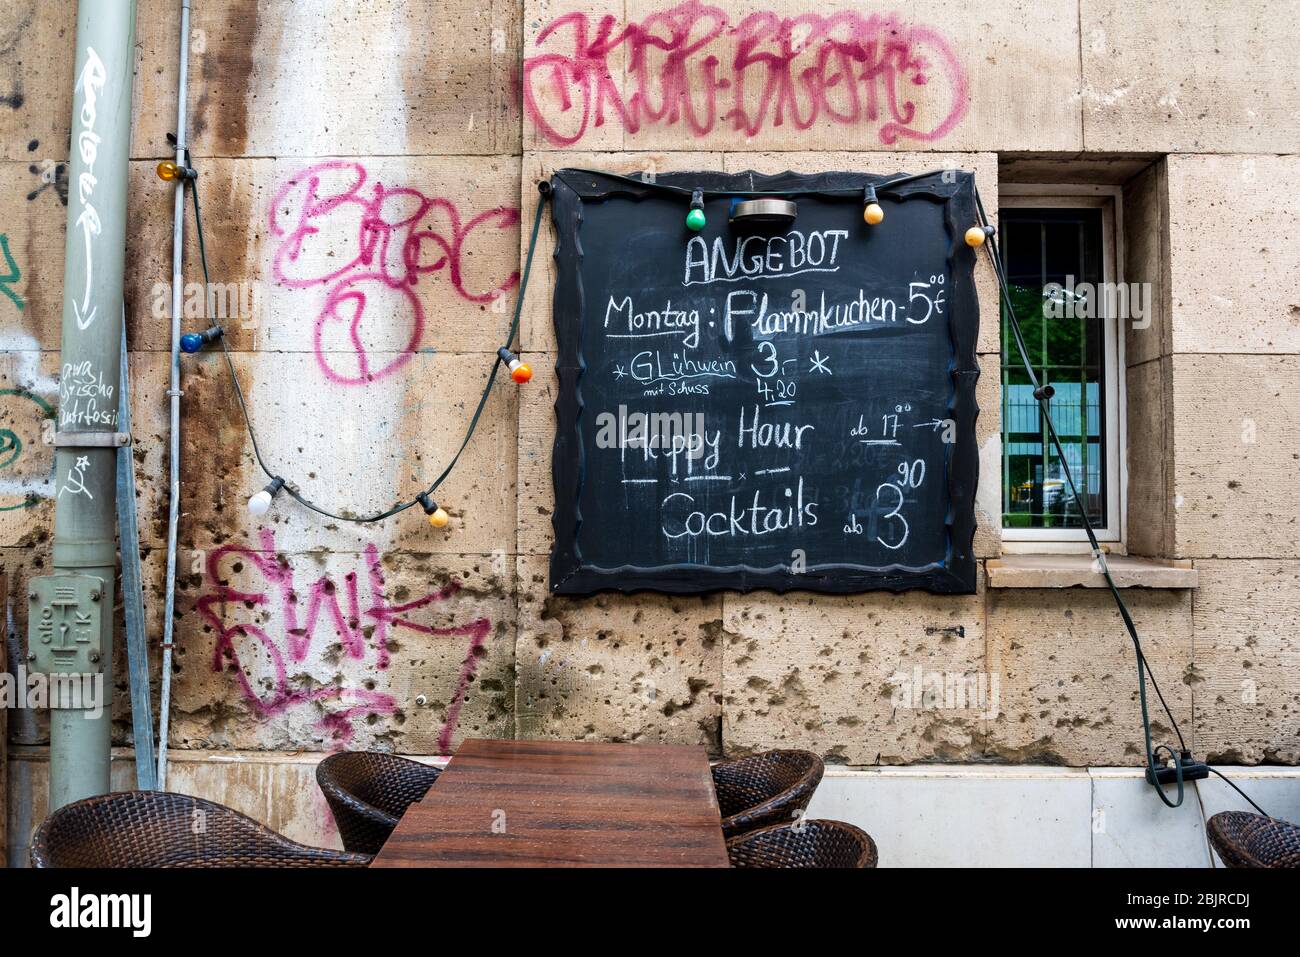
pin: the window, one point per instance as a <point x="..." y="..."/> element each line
<point x="1059" y="254"/>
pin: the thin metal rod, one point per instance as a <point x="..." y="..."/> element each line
<point x="128" y="536"/>
<point x="174" y="393"/>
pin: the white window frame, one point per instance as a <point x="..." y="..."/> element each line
<point x="1113" y="535"/>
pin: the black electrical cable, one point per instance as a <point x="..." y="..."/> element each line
<point x="691" y="192"/>
<point x="1213" y="770"/>
<point x="1043" y="397"/>
<point x="192" y="182"/>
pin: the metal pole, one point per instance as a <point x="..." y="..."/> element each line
<point x="71" y="614"/>
<point x="137" y="643"/>
<point x="174" y="394"/>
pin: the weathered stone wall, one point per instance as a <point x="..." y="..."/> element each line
<point x="434" y="120"/>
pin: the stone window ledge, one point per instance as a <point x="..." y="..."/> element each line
<point x="1077" y="571"/>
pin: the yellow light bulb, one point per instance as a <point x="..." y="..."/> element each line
<point x="975" y="236"/>
<point x="439" y="518"/>
<point x="873" y="214"/>
<point x="167" y="170"/>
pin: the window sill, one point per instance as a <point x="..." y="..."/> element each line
<point x="1077" y="571"/>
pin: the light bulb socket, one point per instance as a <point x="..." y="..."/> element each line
<point x="873" y="214"/>
<point x="260" y="503"/>
<point x="520" y="371"/>
<point x="426" y="503"/>
<point x="695" y="219"/>
<point x="192" y="342"/>
<point x="1044" y="392"/>
<point x="171" y="172"/>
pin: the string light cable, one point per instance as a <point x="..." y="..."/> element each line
<point x="260" y="503"/>
<point x="1182" y="758"/>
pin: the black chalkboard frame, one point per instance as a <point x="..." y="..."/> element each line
<point x="570" y="190"/>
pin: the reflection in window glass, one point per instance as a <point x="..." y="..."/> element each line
<point x="1065" y="340"/>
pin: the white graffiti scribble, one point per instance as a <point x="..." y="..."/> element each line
<point x="91" y="83"/>
<point x="76" y="480"/>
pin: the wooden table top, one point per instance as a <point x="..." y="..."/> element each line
<point x="564" y="804"/>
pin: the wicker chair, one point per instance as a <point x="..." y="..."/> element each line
<point x="161" y="829"/>
<point x="368" y="793"/>
<point x="769" y="788"/>
<point x="809" y="844"/>
<point x="1252" y="840"/>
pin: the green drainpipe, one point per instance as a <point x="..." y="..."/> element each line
<point x="70" y="633"/>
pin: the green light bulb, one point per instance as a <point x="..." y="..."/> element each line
<point x="695" y="220"/>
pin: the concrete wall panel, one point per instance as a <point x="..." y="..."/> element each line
<point x="1247" y="616"/>
<point x="1234" y="228"/>
<point x="861" y="679"/>
<point x="36" y="66"/>
<point x="757" y="75"/>
<point x="1235" y="422"/>
<point x="1190" y="77"/>
<point x="33" y="212"/>
<point x="353" y="455"/>
<point x="644" y="668"/>
<point x="1068" y="674"/>
<point x="1150" y="459"/>
<point x="335" y="78"/>
<point x="362" y="650"/>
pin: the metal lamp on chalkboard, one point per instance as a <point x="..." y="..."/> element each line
<point x="765" y="213"/>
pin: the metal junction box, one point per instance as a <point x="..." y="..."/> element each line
<point x="64" y="624"/>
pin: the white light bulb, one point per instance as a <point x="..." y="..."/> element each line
<point x="260" y="503"/>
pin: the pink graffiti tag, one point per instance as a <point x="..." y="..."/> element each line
<point x="347" y="617"/>
<point x="393" y="237"/>
<point x="690" y="64"/>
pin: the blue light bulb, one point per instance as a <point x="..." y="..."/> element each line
<point x="191" y="342"/>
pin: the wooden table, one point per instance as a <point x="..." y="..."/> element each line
<point x="564" y="804"/>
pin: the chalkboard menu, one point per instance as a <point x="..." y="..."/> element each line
<point x="782" y="406"/>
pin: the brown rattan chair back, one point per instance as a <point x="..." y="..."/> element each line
<point x="769" y="788"/>
<point x="161" y="829"/>
<point x="1252" y="840"/>
<point x="810" y="844"/>
<point x="368" y="792"/>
